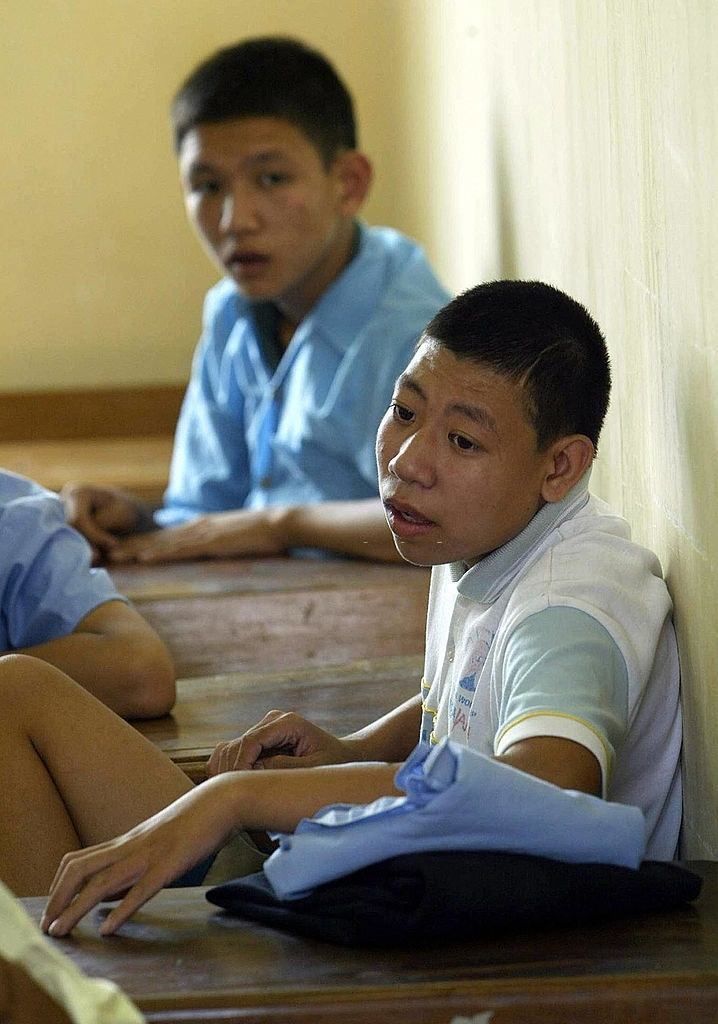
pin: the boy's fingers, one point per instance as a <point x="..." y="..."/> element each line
<point x="277" y="731"/>
<point x="142" y="891"/>
<point x="76" y="897"/>
<point x="98" y="538"/>
<point x="161" y="546"/>
<point x="68" y="878"/>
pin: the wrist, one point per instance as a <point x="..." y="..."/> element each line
<point x="357" y="747"/>
<point x="144" y="518"/>
<point x="282" y="526"/>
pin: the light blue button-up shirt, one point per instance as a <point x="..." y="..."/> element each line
<point x="46" y="583"/>
<point x="251" y="435"/>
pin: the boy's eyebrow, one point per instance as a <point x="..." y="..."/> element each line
<point x="477" y="413"/>
<point x="266" y="156"/>
<point x="481" y="416"/>
<point x="405" y="380"/>
<point x="199" y="167"/>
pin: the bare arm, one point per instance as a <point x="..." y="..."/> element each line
<point x="153" y="853"/>
<point x="562" y="762"/>
<point x="158" y="850"/>
<point x="354" y="528"/>
<point x="118" y="657"/>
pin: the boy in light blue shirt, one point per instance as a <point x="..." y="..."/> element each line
<point x="54" y="606"/>
<point x="301" y="341"/>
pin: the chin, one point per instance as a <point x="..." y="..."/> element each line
<point x="425" y="559"/>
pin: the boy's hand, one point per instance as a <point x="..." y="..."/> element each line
<point x="219" y="535"/>
<point x="282" y="739"/>
<point x="138" y="863"/>
<point x="99" y="513"/>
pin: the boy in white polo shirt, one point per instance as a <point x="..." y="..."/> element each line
<point x="549" y="640"/>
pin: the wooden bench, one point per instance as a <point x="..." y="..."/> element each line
<point x="221" y="576"/>
<point x="181" y="959"/>
<point x="340" y="699"/>
<point x="136" y="464"/>
<point x="263" y="614"/>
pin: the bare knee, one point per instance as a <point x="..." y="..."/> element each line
<point x="24" y="678"/>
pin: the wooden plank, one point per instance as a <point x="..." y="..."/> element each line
<point x="202" y="578"/>
<point x="321" y="624"/>
<point x="180" y="959"/>
<point x="136" y="464"/>
<point x="340" y="699"/>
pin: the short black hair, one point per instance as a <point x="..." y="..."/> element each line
<point x="271" y="76"/>
<point x="543" y="340"/>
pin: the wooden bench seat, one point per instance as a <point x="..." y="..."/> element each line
<point x="340" y="699"/>
<point x="136" y="464"/>
<point x="219" y="576"/>
<point x="182" y="960"/>
<point x="241" y="615"/>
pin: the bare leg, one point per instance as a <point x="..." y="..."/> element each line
<point x="72" y="773"/>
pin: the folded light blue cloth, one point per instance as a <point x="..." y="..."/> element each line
<point x="456" y="799"/>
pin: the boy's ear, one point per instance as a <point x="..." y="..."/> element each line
<point x="353" y="174"/>
<point x="569" y="458"/>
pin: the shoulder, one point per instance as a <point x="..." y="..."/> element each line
<point x="597" y="541"/>
<point x="396" y="293"/>
<point x="29" y="513"/>
<point x="593" y="550"/>
<point x="22" y="501"/>
<point x="408" y="275"/>
<point x="14" y="487"/>
<point x="591" y="564"/>
<point x="223" y="307"/>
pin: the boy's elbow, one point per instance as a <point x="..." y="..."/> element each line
<point x="148" y="686"/>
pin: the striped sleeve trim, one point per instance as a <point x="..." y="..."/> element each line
<point x="425" y="690"/>
<point x="561" y="726"/>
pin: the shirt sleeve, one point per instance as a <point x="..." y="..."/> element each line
<point x="48" y="583"/>
<point x="210" y="467"/>
<point x="564" y="677"/>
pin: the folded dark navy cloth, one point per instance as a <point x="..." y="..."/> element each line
<point x="419" y="898"/>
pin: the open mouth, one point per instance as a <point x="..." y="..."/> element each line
<point x="405" y="521"/>
<point x="246" y="263"/>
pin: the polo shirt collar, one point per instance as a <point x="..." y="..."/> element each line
<point x="485" y="581"/>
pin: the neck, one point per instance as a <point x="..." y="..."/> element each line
<point x="297" y="302"/>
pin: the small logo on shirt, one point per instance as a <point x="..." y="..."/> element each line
<point x="468" y="683"/>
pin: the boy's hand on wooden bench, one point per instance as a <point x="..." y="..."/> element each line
<point x="282" y="739"/>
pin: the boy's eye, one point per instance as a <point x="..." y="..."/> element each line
<point x="270" y="179"/>
<point x="401" y="413"/>
<point x="205" y="187"/>
<point x="464" y="444"/>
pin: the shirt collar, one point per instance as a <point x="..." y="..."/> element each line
<point x="485" y="581"/>
<point x="353" y="297"/>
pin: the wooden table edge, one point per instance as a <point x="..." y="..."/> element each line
<point x="512" y="990"/>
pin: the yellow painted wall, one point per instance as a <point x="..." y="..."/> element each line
<point x="576" y="141"/>
<point x="101" y="280"/>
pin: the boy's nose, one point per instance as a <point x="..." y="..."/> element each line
<point x="238" y="213"/>
<point x="414" y="462"/>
